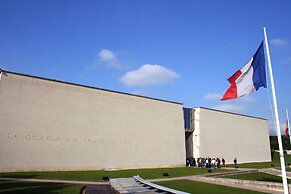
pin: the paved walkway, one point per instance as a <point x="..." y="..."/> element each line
<point x="275" y="171"/>
<point x="99" y="189"/>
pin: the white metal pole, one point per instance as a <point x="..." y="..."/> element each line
<point x="282" y="161"/>
<point x="288" y="125"/>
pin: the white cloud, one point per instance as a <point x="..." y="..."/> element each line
<point x="213" y="96"/>
<point x="218" y="96"/>
<point x="231" y="108"/>
<point x="149" y="75"/>
<point x="108" y="58"/>
<point x="247" y="99"/>
<point x="272" y="128"/>
<point x="106" y="55"/>
<point x="279" y="42"/>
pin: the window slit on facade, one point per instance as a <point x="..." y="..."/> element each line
<point x="189" y="128"/>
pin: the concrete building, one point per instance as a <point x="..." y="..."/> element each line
<point x="214" y="133"/>
<point x="54" y="125"/>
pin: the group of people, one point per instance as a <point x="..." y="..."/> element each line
<point x="206" y="162"/>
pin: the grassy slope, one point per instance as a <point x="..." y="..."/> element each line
<point x="97" y="175"/>
<point x="185" y="185"/>
<point x="203" y="188"/>
<point x="275" y="162"/>
<point x="262" y="176"/>
<point x="258" y="176"/>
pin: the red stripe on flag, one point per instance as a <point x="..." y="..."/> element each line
<point x="234" y="77"/>
<point x="231" y="93"/>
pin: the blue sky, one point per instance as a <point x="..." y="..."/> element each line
<point x="177" y="50"/>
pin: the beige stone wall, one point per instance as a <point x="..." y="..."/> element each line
<point x="49" y="125"/>
<point x="222" y="134"/>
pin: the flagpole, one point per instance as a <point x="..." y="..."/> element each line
<point x="282" y="161"/>
<point x="288" y="125"/>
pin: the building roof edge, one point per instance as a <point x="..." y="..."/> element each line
<point x="232" y="113"/>
<point x="91" y="87"/>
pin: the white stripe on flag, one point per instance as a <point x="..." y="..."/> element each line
<point x="244" y="83"/>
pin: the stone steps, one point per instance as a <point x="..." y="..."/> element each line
<point x="129" y="185"/>
<point x="139" y="186"/>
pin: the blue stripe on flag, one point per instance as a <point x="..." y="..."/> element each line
<point x="259" y="76"/>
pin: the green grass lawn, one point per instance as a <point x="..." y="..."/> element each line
<point x="16" y="187"/>
<point x="7" y="186"/>
<point x="258" y="176"/>
<point x="203" y="188"/>
<point x="97" y="175"/>
<point x="275" y="162"/>
<point x="256" y="165"/>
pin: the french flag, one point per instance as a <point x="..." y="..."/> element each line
<point x="249" y="78"/>
<point x="287" y="128"/>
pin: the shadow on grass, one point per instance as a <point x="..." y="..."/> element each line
<point x="99" y="174"/>
<point x="275" y="180"/>
<point x="15" y="187"/>
<point x="30" y="175"/>
<point x="269" y="179"/>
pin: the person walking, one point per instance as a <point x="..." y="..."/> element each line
<point x="235" y="162"/>
<point x="223" y="162"/>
